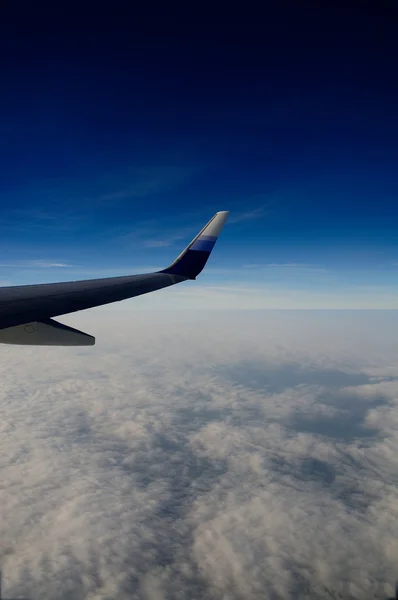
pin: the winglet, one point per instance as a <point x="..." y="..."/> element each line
<point x="193" y="259"/>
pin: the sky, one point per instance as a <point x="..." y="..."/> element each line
<point x="211" y="455"/>
<point x="123" y="132"/>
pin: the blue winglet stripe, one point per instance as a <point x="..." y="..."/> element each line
<point x="193" y="259"/>
<point x="201" y="244"/>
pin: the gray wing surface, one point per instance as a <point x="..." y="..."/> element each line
<point x="26" y="311"/>
<point x="36" y="302"/>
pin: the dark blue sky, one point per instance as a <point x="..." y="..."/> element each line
<point x="122" y="133"/>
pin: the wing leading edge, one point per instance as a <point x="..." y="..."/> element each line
<point x="33" y="306"/>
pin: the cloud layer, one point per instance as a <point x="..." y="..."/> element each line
<point x="203" y="455"/>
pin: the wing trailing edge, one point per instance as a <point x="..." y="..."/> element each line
<point x="45" y="333"/>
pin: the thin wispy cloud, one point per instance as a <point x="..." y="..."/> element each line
<point x="150" y="181"/>
<point x="255" y="206"/>
<point x="290" y="266"/>
<point x="274" y="265"/>
<point x="58" y="218"/>
<point x="157" y="243"/>
<point x="161" y="243"/>
<point x="35" y="264"/>
<point x="249" y="215"/>
<point x="152" y="234"/>
<point x="66" y="204"/>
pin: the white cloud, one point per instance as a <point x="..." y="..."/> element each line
<point x="202" y="455"/>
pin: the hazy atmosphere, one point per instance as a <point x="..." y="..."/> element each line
<point x="203" y="455"/>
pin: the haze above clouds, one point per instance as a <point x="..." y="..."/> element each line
<point x="203" y="455"/>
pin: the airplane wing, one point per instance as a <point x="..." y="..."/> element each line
<point x="26" y="311"/>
